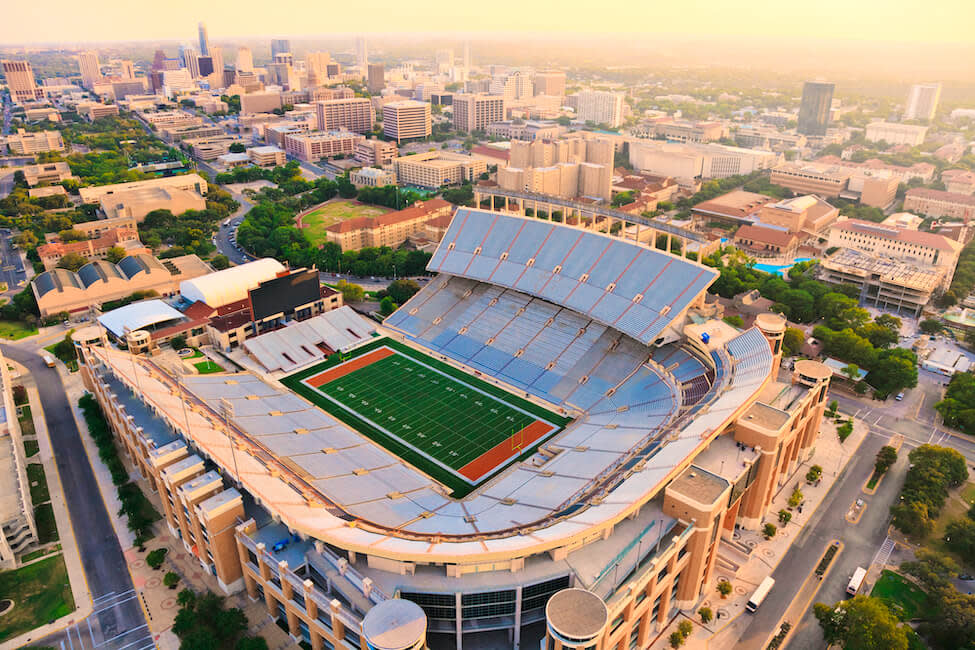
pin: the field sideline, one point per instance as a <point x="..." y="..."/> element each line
<point x="458" y="429"/>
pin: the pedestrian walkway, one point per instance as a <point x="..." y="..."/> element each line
<point x="69" y="548"/>
<point x="729" y="624"/>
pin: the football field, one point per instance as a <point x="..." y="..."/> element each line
<point x="457" y="428"/>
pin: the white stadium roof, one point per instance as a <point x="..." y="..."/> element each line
<point x="137" y="315"/>
<point x="230" y="285"/>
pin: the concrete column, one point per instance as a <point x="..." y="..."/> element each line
<point x="506" y="204"/>
<point x="338" y="627"/>
<point x="311" y="607"/>
<point x="458" y="605"/>
<point x="262" y="562"/>
<point x="517" y="634"/>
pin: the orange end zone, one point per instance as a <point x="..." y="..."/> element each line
<point x="489" y="460"/>
<point x="349" y="366"/>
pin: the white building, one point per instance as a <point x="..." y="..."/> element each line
<point x="600" y="107"/>
<point x="922" y="101"/>
<point x="894" y="133"/>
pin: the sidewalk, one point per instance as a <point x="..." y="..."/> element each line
<point x="69" y="547"/>
<point x="728" y="624"/>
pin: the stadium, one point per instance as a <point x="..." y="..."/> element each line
<point x="556" y="438"/>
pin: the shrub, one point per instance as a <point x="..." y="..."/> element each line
<point x="685" y="628"/>
<point x="156" y="557"/>
<point x="814" y="473"/>
<point x="178" y="342"/>
<point x="20" y="395"/>
<point x="724" y="588"/>
<point x="860" y="388"/>
<point x="777" y="640"/>
<point x="769" y="531"/>
<point x="784" y="517"/>
<point x="676" y="640"/>
<point x="844" y="430"/>
<point x="795" y="499"/>
<point x="886" y="457"/>
<point x="706" y="615"/>
<point x="827" y="558"/>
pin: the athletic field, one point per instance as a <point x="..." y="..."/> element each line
<point x="457" y="428"/>
<point x="317" y="220"/>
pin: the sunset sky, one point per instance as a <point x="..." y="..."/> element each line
<point x="876" y="20"/>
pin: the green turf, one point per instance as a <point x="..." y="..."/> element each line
<point x="31" y="447"/>
<point x="315" y="222"/>
<point x="47" y="527"/>
<point x="16" y="330"/>
<point x="38" y="493"/>
<point x="444" y="417"/>
<point x="207" y="367"/>
<point x="905" y="599"/>
<point x="41" y="593"/>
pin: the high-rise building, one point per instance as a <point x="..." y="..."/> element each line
<point x="316" y="65"/>
<point x="361" y="52"/>
<point x="279" y="45"/>
<point x="474" y="112"/>
<point x="550" y="82"/>
<point x="204" y="41"/>
<point x="467" y="55"/>
<point x="600" y="107"/>
<point x="90" y="69"/>
<point x="513" y="85"/>
<point x="444" y="59"/>
<point x="20" y="79"/>
<point x="216" y="55"/>
<point x="126" y="69"/>
<point x="204" y="66"/>
<point x="817" y="99"/>
<point x="191" y="61"/>
<point x="356" y="114"/>
<point x="376" y="80"/>
<point x="245" y="60"/>
<point x="922" y="101"/>
<point x="406" y="120"/>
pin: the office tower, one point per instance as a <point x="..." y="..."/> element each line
<point x="817" y="99"/>
<point x="126" y="69"/>
<point x="376" y="78"/>
<point x="279" y="45"/>
<point x="204" y="66"/>
<point x="600" y="107"/>
<point x="191" y="61"/>
<point x="245" y="60"/>
<point x="284" y="57"/>
<point x="333" y="69"/>
<point x="550" y="82"/>
<point x="204" y="41"/>
<point x="216" y="56"/>
<point x="159" y="60"/>
<point x="444" y="59"/>
<point x="474" y="112"/>
<point x="90" y="69"/>
<point x="922" y="101"/>
<point x="20" y="79"/>
<point x="355" y="114"/>
<point x="361" y="52"/>
<point x="316" y="65"/>
<point x="513" y="85"/>
<point x="467" y="55"/>
<point x="406" y="119"/>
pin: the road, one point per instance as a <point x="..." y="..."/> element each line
<point x="829" y="523"/>
<point x="118" y="621"/>
<point x="12" y="269"/>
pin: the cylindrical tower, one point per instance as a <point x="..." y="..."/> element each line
<point x="138" y="341"/>
<point x="575" y="618"/>
<point x="395" y="625"/>
<point x="773" y="327"/>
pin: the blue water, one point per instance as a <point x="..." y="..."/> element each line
<point x="780" y="269"/>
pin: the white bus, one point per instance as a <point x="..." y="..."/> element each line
<point x="856" y="581"/>
<point x="759" y="596"/>
<point x="49" y="360"/>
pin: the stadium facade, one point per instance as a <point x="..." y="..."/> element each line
<point x="593" y="537"/>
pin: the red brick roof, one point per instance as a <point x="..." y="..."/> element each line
<point x="938" y="195"/>
<point x="766" y="235"/>
<point x="107" y="239"/>
<point x="391" y="218"/>
<point x="928" y="239"/>
<point x="491" y="152"/>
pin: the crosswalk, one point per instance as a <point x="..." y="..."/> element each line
<point x="883" y="553"/>
<point x="100" y="630"/>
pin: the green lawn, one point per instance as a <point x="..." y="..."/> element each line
<point x="27" y="423"/>
<point x="41" y="593"/>
<point x="905" y="599"/>
<point x="314" y="223"/>
<point x="47" y="527"/>
<point x="41" y="552"/>
<point x="38" y="493"/>
<point x="428" y="413"/>
<point x="207" y="367"/>
<point x="30" y="448"/>
<point x="15" y="330"/>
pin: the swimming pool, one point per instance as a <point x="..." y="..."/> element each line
<point x="780" y="269"/>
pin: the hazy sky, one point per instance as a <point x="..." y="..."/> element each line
<point x="70" y="21"/>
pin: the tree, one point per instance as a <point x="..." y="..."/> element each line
<point x="351" y="292"/>
<point x="864" y="623"/>
<point x="220" y="262"/>
<point x="724" y="588"/>
<point x="65" y="349"/>
<point x="387" y="306"/>
<point x="844" y="430"/>
<point x="346" y="189"/>
<point x="934" y="470"/>
<point x="252" y="643"/>
<point x="735" y="321"/>
<point x="931" y="326"/>
<point x="958" y="406"/>
<point x="832" y="408"/>
<point x="796" y="498"/>
<point x="237" y="147"/>
<point x="685" y="628"/>
<point x="706" y="615"/>
<point x="792" y="341"/>
<point x="72" y="262"/>
<point x="402" y="290"/>
<point x="894" y="370"/>
<point x="784" y="517"/>
<point x="960" y="538"/>
<point x="852" y="371"/>
<point x="72" y="235"/>
<point x="156" y="557"/>
<point x="886" y="457"/>
<point x="676" y="640"/>
<point x="178" y="342"/>
<point x="115" y="254"/>
<point x="171" y="579"/>
<point x="769" y="530"/>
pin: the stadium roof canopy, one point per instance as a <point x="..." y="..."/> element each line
<point x="138" y="315"/>
<point x="230" y="285"/>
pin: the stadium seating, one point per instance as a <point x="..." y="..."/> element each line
<point x="638" y="294"/>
